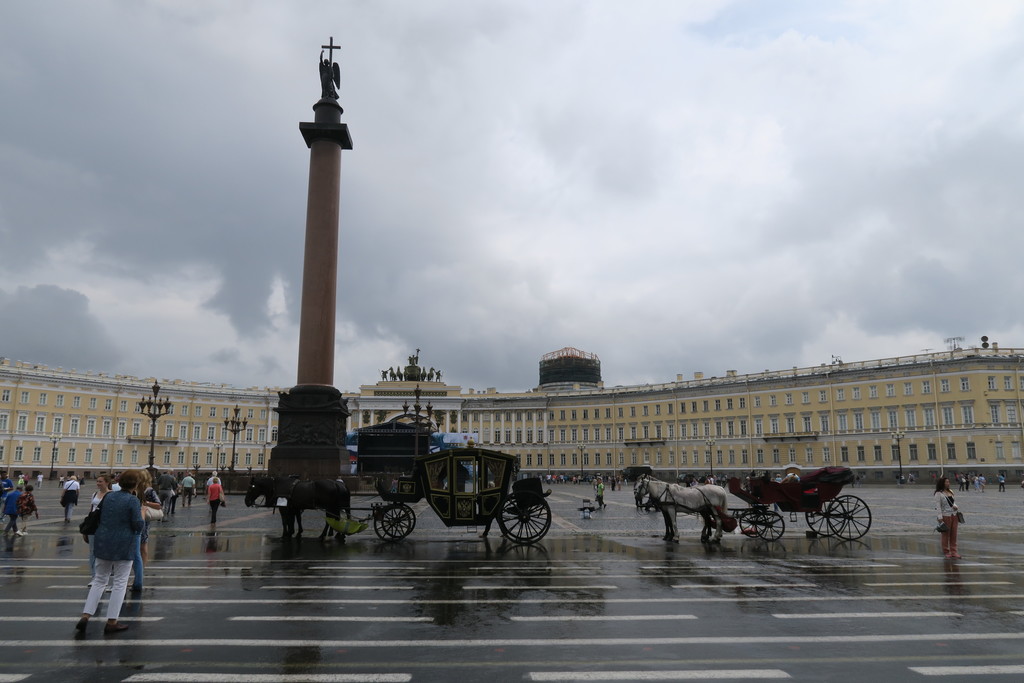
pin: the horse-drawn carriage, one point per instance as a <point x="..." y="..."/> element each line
<point x="464" y="487"/>
<point x="816" y="496"/>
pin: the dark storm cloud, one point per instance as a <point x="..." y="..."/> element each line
<point x="53" y="326"/>
<point x="673" y="186"/>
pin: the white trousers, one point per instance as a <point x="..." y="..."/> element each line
<point x="119" y="570"/>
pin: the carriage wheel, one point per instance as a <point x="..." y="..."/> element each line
<point x="849" y="517"/>
<point x="524" y="517"/>
<point x="765" y="523"/>
<point x="393" y="522"/>
<point x="818" y="522"/>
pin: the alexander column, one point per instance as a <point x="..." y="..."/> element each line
<point x="312" y="416"/>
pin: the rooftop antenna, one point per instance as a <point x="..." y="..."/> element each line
<point x="954" y="343"/>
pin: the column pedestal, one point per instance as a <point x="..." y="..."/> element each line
<point x="310" y="434"/>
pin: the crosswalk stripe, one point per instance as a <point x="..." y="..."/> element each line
<point x="741" y="585"/>
<point x="560" y="587"/>
<point x="606" y="617"/>
<point x="266" y="678"/>
<point x="378" y="587"/>
<point x="421" y="643"/>
<point x="980" y="670"/>
<point x="865" y="615"/>
<point x="371" y="618"/>
<point x="954" y="582"/>
<point x="70" y="619"/>
<point x="684" y="675"/>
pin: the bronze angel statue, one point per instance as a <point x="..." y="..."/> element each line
<point x="330" y="78"/>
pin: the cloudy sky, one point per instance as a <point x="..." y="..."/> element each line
<point x="674" y="186"/>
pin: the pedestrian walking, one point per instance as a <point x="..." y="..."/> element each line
<point x="188" y="488"/>
<point x="1002" y="482"/>
<point x="69" y="497"/>
<point x="26" y="508"/>
<point x="102" y="489"/>
<point x="10" y="510"/>
<point x="948" y="516"/>
<point x="120" y="524"/>
<point x="599" y="493"/>
<point x="166" y="486"/>
<point x="39" y="480"/>
<point x="215" y="497"/>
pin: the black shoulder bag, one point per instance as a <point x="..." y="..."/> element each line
<point x="91" y="523"/>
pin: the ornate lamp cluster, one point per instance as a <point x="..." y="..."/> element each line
<point x="154" y="408"/>
<point x="235" y="424"/>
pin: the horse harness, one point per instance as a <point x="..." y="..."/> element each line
<point x="666" y="496"/>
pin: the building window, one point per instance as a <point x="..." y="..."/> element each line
<point x="890" y="389"/>
<point x="860" y="454"/>
<point x="908" y="389"/>
<point x="912" y="448"/>
<point x="856" y="393"/>
<point x="878" y="453"/>
<point x="932" y="453"/>
<point x="968" y="414"/>
<point x="965" y="384"/>
<point x="992" y="383"/>
<point x="950" y="451"/>
<point x="840" y="394"/>
<point x="972" y="453"/>
<point x="926" y="386"/>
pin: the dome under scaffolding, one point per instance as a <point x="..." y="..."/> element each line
<point x="570" y="367"/>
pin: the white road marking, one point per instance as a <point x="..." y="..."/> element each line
<point x="981" y="670"/>
<point x="685" y="675"/>
<point x="371" y="617"/>
<point x="337" y="588"/>
<point x="943" y="583"/>
<point x="742" y="585"/>
<point x="562" y="600"/>
<point x="626" y="617"/>
<point x="11" y="678"/>
<point x="562" y="587"/>
<point x="267" y="678"/>
<point x="729" y="640"/>
<point x="69" y="620"/>
<point x="149" y="587"/>
<point x="866" y="615"/>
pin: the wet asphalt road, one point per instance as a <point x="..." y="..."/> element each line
<point x="598" y="599"/>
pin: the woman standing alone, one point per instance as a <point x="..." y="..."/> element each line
<point x="947" y="512"/>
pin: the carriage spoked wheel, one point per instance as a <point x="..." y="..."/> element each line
<point x="849" y="517"/>
<point x="764" y="523"/>
<point x="818" y="522"/>
<point x="524" y="517"/>
<point x="393" y="522"/>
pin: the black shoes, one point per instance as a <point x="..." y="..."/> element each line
<point x="115" y="628"/>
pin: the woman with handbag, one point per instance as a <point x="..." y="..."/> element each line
<point x="948" y="515"/>
<point x="215" y="497"/>
<point x="120" y="524"/>
<point x="102" y="489"/>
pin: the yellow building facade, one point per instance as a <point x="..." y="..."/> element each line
<point x="957" y="410"/>
<point x="67" y="422"/>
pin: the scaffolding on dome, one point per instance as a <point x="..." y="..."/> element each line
<point x="569" y="352"/>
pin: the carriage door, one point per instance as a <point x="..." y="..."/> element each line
<point x="465" y="488"/>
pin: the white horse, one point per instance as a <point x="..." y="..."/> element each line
<point x="710" y="502"/>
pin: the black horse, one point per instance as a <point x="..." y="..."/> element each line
<point x="329" y="495"/>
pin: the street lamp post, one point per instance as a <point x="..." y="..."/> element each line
<point x="235" y="425"/>
<point x="711" y="455"/>
<point x="53" y="456"/>
<point x="581" y="448"/>
<point x="217" y="465"/>
<point x="897" y="437"/>
<point x="154" y="408"/>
